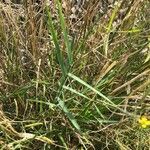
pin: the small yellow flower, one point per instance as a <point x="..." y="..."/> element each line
<point x="144" y="122"/>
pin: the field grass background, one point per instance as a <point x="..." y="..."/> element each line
<point x="78" y="83"/>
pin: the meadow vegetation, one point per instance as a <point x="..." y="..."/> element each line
<point x="74" y="83"/>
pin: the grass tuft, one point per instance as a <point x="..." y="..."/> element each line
<point x="74" y="76"/>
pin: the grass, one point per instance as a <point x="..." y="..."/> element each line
<point x="71" y="85"/>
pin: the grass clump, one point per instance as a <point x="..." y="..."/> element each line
<point x="74" y="76"/>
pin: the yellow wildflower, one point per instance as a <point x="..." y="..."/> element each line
<point x="144" y="121"/>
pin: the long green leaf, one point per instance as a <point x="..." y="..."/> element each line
<point x="68" y="114"/>
<point x="55" y="40"/>
<point x="76" y="92"/>
<point x="65" y="32"/>
<point x="107" y="100"/>
<point x="90" y="87"/>
<point x="109" y="28"/>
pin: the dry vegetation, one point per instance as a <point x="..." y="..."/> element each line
<point x="74" y="77"/>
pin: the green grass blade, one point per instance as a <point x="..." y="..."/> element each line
<point x="65" y="32"/>
<point x="76" y="92"/>
<point x="51" y="105"/>
<point x="63" y="141"/>
<point x="68" y="114"/>
<point x="56" y="42"/>
<point x="90" y="87"/>
<point x="102" y="121"/>
<point x="109" y="28"/>
<point x="107" y="100"/>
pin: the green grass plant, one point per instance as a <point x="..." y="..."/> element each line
<point x="70" y="86"/>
